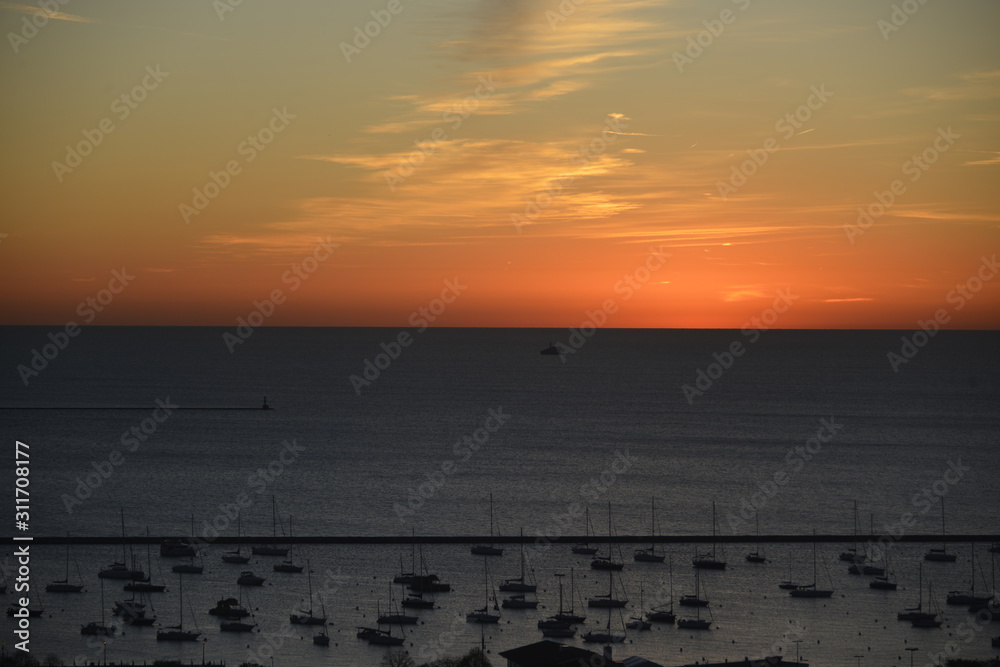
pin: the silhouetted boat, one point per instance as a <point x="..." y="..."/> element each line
<point x="95" y="628"/>
<point x="638" y="622"/>
<point x="585" y="549"/>
<point x="664" y="613"/>
<point x="305" y="617"/>
<point x="488" y="549"/>
<point x="518" y="584"/>
<point x="558" y="625"/>
<point x="917" y="613"/>
<point x="852" y="555"/>
<point x="709" y="561"/>
<point x="176" y="548"/>
<point x="271" y="549"/>
<point x="483" y="616"/>
<point x="694" y="599"/>
<point x="931" y="620"/>
<point x="63" y="585"/>
<point x="230" y="608"/>
<point x="550" y="350"/>
<point x="120" y="570"/>
<point x="756" y="556"/>
<point x="177" y="633"/>
<point x="607" y="636"/>
<point x="236" y="557"/>
<point x="940" y="555"/>
<point x="607" y="562"/>
<point x="248" y="578"/>
<point x="967" y="599"/>
<point x="649" y="555"/>
<point x="609" y="600"/>
<point x="289" y="565"/>
<point x="810" y="590"/>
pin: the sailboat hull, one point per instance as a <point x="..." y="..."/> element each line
<point x="605" y="603"/>
<point x="63" y="588"/>
<point x="486" y="551"/>
<point x="236" y="626"/>
<point x="177" y="636"/>
<point x="606" y="564"/>
<point x="810" y="593"/>
<point x="646" y="557"/>
<point x="269" y="551"/>
<point x="236" y="560"/>
<point x="708" y="564"/>
<point x="603" y="638"/>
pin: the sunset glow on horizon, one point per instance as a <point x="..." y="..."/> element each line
<point x="691" y="162"/>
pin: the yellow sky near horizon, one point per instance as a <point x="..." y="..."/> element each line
<point x="536" y="151"/>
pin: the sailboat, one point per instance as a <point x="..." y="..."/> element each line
<point x="931" y="620"/>
<point x="970" y="598"/>
<point x="322" y="638"/>
<point x="638" y="622"/>
<point x="272" y="549"/>
<point x="852" y="555"/>
<point x="607" y="562"/>
<point x="884" y="582"/>
<point x="232" y="617"/>
<point x="483" y="615"/>
<point x="288" y="565"/>
<point x="133" y="611"/>
<point x="649" y="555"/>
<point x="63" y="585"/>
<point x="709" y="561"/>
<point x="395" y="617"/>
<point x="756" y="556"/>
<point x="145" y="585"/>
<point x="121" y="570"/>
<point x="518" y="584"/>
<point x="554" y="626"/>
<point x="940" y="555"/>
<point x="407" y="577"/>
<point x="810" y="590"/>
<point x="236" y="557"/>
<point x="664" y="613"/>
<point x="488" y="549"/>
<point x="695" y="599"/>
<point x="189" y="567"/>
<point x="608" y="601"/>
<point x="696" y="623"/>
<point x="178" y="633"/>
<point x="788" y="584"/>
<point x="570" y="616"/>
<point x="917" y="613"/>
<point x="585" y="549"/>
<point x="380" y="637"/>
<point x="94" y="628"/>
<point x="426" y="582"/>
<point x="248" y="578"/>
<point x="306" y="616"/>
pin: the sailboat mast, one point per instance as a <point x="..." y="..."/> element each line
<point x="944" y="542"/>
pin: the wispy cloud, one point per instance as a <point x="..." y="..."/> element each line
<point x="38" y="11"/>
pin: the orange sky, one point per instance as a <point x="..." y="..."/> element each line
<point x="624" y="135"/>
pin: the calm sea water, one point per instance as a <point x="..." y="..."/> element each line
<point x="411" y="452"/>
